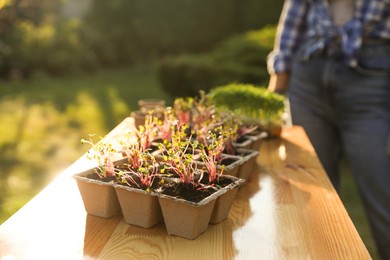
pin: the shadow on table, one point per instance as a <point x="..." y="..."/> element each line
<point x="120" y="240"/>
<point x="97" y="232"/>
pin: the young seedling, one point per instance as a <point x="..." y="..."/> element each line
<point x="143" y="176"/>
<point x="209" y="157"/>
<point x="167" y="125"/>
<point x="182" y="107"/>
<point x="101" y="152"/>
<point x="147" y="132"/>
<point x="132" y="149"/>
<point x="178" y="156"/>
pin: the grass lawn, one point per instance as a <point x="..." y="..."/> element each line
<point x="43" y="120"/>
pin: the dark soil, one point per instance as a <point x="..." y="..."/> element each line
<point x="96" y="176"/>
<point x="154" y="145"/>
<point x="158" y="140"/>
<point x="222" y="182"/>
<point x="242" y="139"/>
<point x="186" y="192"/>
<point x="194" y="194"/>
<point x="241" y="154"/>
<point x="138" y="185"/>
<point x="228" y="161"/>
<point x="153" y="148"/>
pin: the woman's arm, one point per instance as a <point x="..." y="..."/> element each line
<point x="291" y="27"/>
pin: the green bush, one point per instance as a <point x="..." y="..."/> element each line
<point x="241" y="58"/>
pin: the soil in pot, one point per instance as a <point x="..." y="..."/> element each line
<point x="243" y="142"/>
<point x="186" y="192"/>
<point x="224" y="202"/>
<point x="232" y="164"/>
<point x="186" y="209"/>
<point x="241" y="139"/>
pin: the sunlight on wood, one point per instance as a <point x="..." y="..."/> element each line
<point x="282" y="152"/>
<point x="259" y="230"/>
<point x="60" y="222"/>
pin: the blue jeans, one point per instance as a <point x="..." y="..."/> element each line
<point x="347" y="111"/>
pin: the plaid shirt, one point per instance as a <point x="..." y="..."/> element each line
<point x="309" y="22"/>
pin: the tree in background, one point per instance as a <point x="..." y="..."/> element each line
<point x="13" y="15"/>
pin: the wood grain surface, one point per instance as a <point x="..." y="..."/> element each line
<point x="287" y="210"/>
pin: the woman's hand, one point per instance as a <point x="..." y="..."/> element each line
<point x="278" y="82"/>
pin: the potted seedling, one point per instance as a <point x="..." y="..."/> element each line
<point x="186" y="209"/>
<point x="203" y="113"/>
<point x="179" y="145"/>
<point x="251" y="133"/>
<point x="227" y="183"/>
<point x="217" y="143"/>
<point x="233" y="147"/>
<point x="204" y="121"/>
<point x="136" y="179"/>
<point x="134" y="187"/>
<point x="188" y="200"/>
<point x="96" y="185"/>
<point x="182" y="108"/>
<point x="148" y="132"/>
<point x="166" y="126"/>
<point x="229" y="133"/>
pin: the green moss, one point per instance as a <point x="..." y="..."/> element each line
<point x="253" y="102"/>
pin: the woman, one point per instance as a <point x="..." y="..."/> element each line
<point x="334" y="59"/>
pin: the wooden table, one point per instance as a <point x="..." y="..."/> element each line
<point x="287" y="210"/>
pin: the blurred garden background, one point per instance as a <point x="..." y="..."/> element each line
<point x="69" y="68"/>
